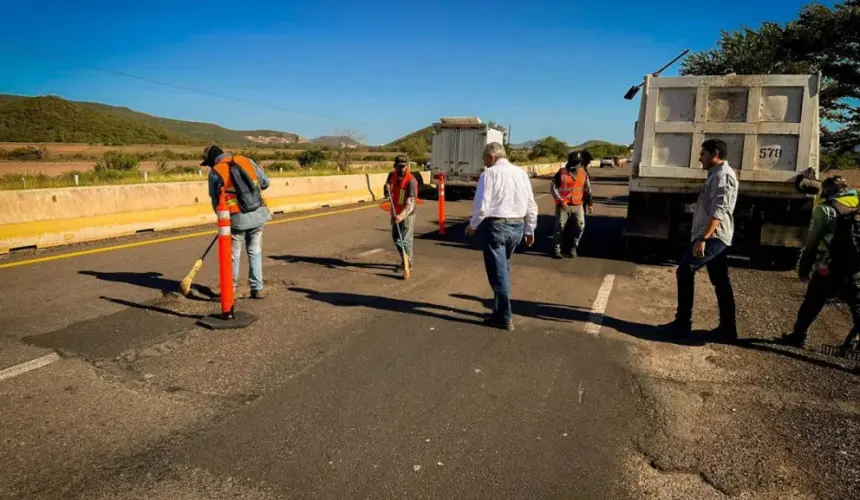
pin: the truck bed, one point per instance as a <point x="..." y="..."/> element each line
<point x="769" y="122"/>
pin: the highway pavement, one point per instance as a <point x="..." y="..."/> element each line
<point x="355" y="383"/>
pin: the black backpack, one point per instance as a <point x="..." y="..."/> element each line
<point x="248" y="194"/>
<point x="845" y="245"/>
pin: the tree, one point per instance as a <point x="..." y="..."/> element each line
<point x="310" y="157"/>
<point x="496" y="126"/>
<point x="821" y="39"/>
<point x="349" y="139"/>
<point x="551" y="148"/>
<point x="417" y="148"/>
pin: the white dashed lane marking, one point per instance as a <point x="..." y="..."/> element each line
<point x="595" y="319"/>
<point x="16" y="370"/>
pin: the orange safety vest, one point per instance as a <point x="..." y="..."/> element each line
<point x="223" y="170"/>
<point x="399" y="190"/>
<point x="572" y="190"/>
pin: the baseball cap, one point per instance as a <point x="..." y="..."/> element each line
<point x="211" y="152"/>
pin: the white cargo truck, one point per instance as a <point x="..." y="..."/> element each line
<point x="771" y="126"/>
<point x="458" y="145"/>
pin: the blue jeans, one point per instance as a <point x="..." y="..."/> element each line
<point x="253" y="239"/>
<point x="407" y="231"/>
<point x="499" y="239"/>
<point x="716" y="261"/>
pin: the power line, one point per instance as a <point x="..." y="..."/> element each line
<point x="172" y="85"/>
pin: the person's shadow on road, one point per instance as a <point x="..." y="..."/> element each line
<point x="151" y="279"/>
<point x="344" y="299"/>
<point x="546" y="311"/>
<point x="332" y="262"/>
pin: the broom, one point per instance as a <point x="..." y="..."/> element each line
<point x="185" y="286"/>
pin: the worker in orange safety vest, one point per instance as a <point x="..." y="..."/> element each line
<point x="571" y="191"/>
<point x="242" y="180"/>
<point x="402" y="189"/>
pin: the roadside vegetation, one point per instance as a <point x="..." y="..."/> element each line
<point x="122" y="168"/>
<point x="56" y="153"/>
<point x="553" y="150"/>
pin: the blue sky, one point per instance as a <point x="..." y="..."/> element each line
<point x="384" y="68"/>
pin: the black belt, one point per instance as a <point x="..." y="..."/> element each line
<point x="505" y="219"/>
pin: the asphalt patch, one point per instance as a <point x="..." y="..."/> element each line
<point x="111" y="335"/>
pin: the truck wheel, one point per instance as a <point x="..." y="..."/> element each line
<point x="775" y="258"/>
<point x="785" y="259"/>
<point x="638" y="250"/>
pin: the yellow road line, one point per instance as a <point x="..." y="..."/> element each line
<point x="167" y="239"/>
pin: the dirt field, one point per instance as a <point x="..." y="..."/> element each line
<point x="69" y="150"/>
<point x="58" y="168"/>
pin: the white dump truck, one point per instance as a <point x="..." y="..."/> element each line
<point x="458" y="145"/>
<point x="771" y="126"/>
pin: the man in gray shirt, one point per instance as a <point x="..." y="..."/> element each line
<point x="713" y="228"/>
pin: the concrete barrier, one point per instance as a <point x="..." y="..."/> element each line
<point x="542" y="169"/>
<point x="44" y="218"/>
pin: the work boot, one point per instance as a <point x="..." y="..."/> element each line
<point x="570" y="254"/>
<point x="793" y="340"/>
<point x="726" y="333"/>
<point x="495" y="322"/>
<point x="257" y="294"/>
<point x="556" y="253"/>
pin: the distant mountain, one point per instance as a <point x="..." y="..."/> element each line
<point x="591" y="144"/>
<point x="335" y="140"/>
<point x="584" y="145"/>
<point x="53" y="119"/>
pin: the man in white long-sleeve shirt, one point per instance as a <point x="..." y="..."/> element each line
<point x="504" y="211"/>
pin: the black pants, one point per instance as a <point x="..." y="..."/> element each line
<point x="716" y="261"/>
<point x="820" y="289"/>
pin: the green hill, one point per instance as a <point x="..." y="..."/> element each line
<point x="423" y="136"/>
<point x="603" y="149"/>
<point x="588" y="144"/>
<point x="52" y="119"/>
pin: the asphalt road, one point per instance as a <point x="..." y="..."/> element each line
<point x="357" y="384"/>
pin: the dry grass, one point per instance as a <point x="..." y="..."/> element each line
<point x="113" y="178"/>
<point x="60" y="150"/>
<point x="59" y="168"/>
